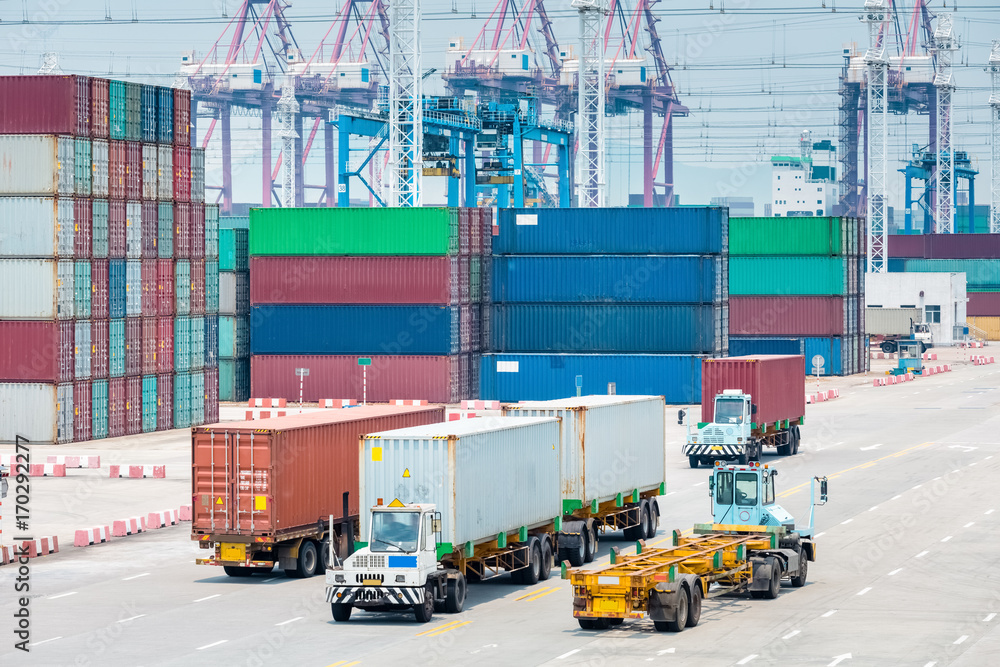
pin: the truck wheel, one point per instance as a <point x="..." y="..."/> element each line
<point x="786" y="449"/>
<point x="308" y="561"/>
<point x="236" y="571"/>
<point x="774" y="586"/>
<point x="594" y="623"/>
<point x="424" y="612"/>
<point x="341" y="612"/>
<point x="888" y="347"/>
<point x="743" y="458"/>
<point x="532" y="573"/>
<point x="647" y="528"/>
<point x="680" y="618"/>
<point x="795" y="440"/>
<point x="694" y="611"/>
<point x="799" y="580"/>
<point x="455" y="602"/>
<point x="575" y="556"/>
<point x="324" y="555"/>
<point x="547" y="560"/>
<point x="923" y="348"/>
<point x="694" y="461"/>
<point x="590" y="546"/>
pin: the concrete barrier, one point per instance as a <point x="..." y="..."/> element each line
<point x="47" y="470"/>
<point x="407" y="401"/>
<point x="338" y="403"/>
<point x="76" y="461"/>
<point x="480" y="405"/>
<point x="131" y="526"/>
<point x="162" y="519"/>
<point x="267" y="403"/>
<point x="184" y="513"/>
<point x="455" y="416"/>
<point x="90" y="536"/>
<point x="138" y="472"/>
<point x="43" y="546"/>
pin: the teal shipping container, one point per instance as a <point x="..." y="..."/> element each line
<point x="99" y="225"/>
<point x="82" y="290"/>
<point x="149" y="403"/>
<point x="117" y="109"/>
<point x="182" y="287"/>
<point x="234" y="336"/>
<point x="133" y="111"/>
<point x="83" y="167"/>
<point x="116" y="348"/>
<point x="182" y="344"/>
<point x="790" y="275"/>
<point x="212" y="231"/>
<point x="165" y="230"/>
<point x="211" y="286"/>
<point x="197" y="398"/>
<point x="234" y="379"/>
<point x="233" y="250"/>
<point x="182" y="400"/>
<point x="99" y="409"/>
<point x="196" y="334"/>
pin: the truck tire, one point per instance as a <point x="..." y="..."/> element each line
<point x="590" y="545"/>
<point x="532" y="573"/>
<point x="795" y="440"/>
<point x="425" y="612"/>
<point x="594" y="623"/>
<point x="547" y="560"/>
<point x="694" y="461"/>
<point x="786" y="449"/>
<point x="307" y="562"/>
<point x="923" y="348"/>
<point x="775" y="584"/>
<point x="575" y="555"/>
<point x="324" y="555"/>
<point x="455" y="602"/>
<point x="680" y="617"/>
<point x="341" y="612"/>
<point x="799" y="580"/>
<point x="647" y="527"/>
<point x="743" y="458"/>
<point x="889" y="347"/>
<point x="236" y="571"/>
<point x="694" y="610"/>
<point x="634" y="532"/>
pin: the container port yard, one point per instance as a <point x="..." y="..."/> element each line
<point x="510" y="332"/>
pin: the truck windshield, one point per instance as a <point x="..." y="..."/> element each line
<point x="746" y="488"/>
<point x="395" y="531"/>
<point x="729" y="411"/>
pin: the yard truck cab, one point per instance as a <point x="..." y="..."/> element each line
<point x="728" y="434"/>
<point x="398" y="569"/>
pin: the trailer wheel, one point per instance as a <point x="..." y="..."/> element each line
<point x="590" y="545"/>
<point x="786" y="449"/>
<point x="424" y="612"/>
<point x="455" y="602"/>
<point x="575" y="556"/>
<point x="694" y="611"/>
<point x="532" y="573"/>
<point x="795" y="440"/>
<point x="547" y="560"/>
<point x="341" y="612"/>
<point x="799" y="580"/>
<point x="888" y="347"/>
<point x="646" y="523"/>
<point x="680" y="616"/>
<point x="308" y="561"/>
<point x="595" y="623"/>
<point x="236" y="571"/>
<point x="694" y="461"/>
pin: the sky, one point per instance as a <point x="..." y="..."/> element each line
<point x="754" y="74"/>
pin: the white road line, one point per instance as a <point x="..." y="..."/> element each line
<point x="945" y="539"/>
<point x="670" y="494"/>
<point x="969" y="525"/>
<point x="568" y="654"/>
<point x="202" y="648"/>
<point x="989" y="617"/>
<point x="864" y="590"/>
<point x="699" y="483"/>
<point x="829" y="613"/>
<point x="973" y="463"/>
<point x="666" y="650"/>
<point x="961" y="639"/>
<point x="126" y="620"/>
<point x="988" y="512"/>
<point x="208" y="598"/>
<point x="62" y="595"/>
<point x="896" y="571"/>
<point x="896" y="497"/>
<point x="873" y="508"/>
<point x="954" y="471"/>
<point x="843" y="523"/>
<point x="291" y="620"/>
<point x="144" y="574"/>
<point x="818" y="535"/>
<point x="916" y="487"/>
<point x="791" y="634"/>
<point x="930" y="664"/>
<point x="747" y="659"/>
<point x="988" y="457"/>
<point x="45" y="641"/>
<point x="267" y="580"/>
<point x="935" y="479"/>
<point x="922" y="554"/>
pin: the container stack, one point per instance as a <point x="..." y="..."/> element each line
<point x="797" y="287"/>
<point x="104" y="252"/>
<point x="593" y="297"/>
<point x="234" y="308"/>
<point x="377" y="303"/>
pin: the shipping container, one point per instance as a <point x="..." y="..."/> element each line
<point x="82" y="348"/>
<point x="773" y="382"/>
<point x="116" y="348"/>
<point x="133" y="288"/>
<point x="149" y="404"/>
<point x="117" y="242"/>
<point x="150" y="172"/>
<point x="99" y="361"/>
<point x="37" y="165"/>
<point x="82" y="407"/>
<point x="211" y="286"/>
<point x="133" y="111"/>
<point x="42" y="413"/>
<point x="961" y="246"/>
<point x="211" y="396"/>
<point x="182" y="173"/>
<point x="182" y="400"/>
<point x="234" y="293"/>
<point x="182" y="287"/>
<point x="197" y="231"/>
<point x="426" y="330"/>
<point x="234" y="222"/>
<point x="182" y="230"/>
<point x="212" y="231"/>
<point x="165" y="173"/>
<point x="117" y="170"/>
<point x="98" y="108"/>
<point x="987" y="326"/>
<point x="165" y="233"/>
<point x="164" y="115"/>
<point x="82" y="288"/>
<point x="211" y="354"/>
<point x="165" y="287"/>
<point x="612" y="231"/>
<point x="100" y="166"/>
<point x="198" y="175"/>
<point x="118" y="106"/>
<point x="164" y="402"/>
<point x="150" y="345"/>
<point x="463" y="468"/>
<point x="436" y="379"/>
<point x="790" y="316"/>
<point x="780" y="276"/>
<point x="45" y="289"/>
<point x="182" y="343"/>
<point x="47" y="104"/>
<point x="831" y="350"/>
<point x="314" y="452"/>
<point x="234" y="249"/>
<point x="37" y="351"/>
<point x="99" y="225"/>
<point x="133" y="405"/>
<point x="234" y="379"/>
<point x="182" y="117"/>
<point x="983" y="304"/>
<point x="99" y="409"/>
<point x="83" y="232"/>
<point x="164" y="344"/>
<point x="133" y="170"/>
<point x="196" y="344"/>
<point x="83" y="166"/>
<point x="793" y="236"/>
<point x="197" y="299"/>
<point x="147" y="114"/>
<point x="196" y="399"/>
<point x="234" y="336"/>
<point x="133" y="346"/>
<point x="37" y="227"/>
<point x="979" y="273"/>
<point x="150" y="288"/>
<point x="133" y="230"/>
<point x="891" y="321"/>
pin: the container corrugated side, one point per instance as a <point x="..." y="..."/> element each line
<point x="789" y="315"/>
<point x="788" y="275"/>
<point x="29" y="227"/>
<point x="988" y="325"/>
<point x="790" y="236"/>
<point x="609" y="445"/>
<point x="774" y="382"/>
<point x="30" y="410"/>
<point x="39" y="295"/>
<point x="981" y="273"/>
<point x="234" y="379"/>
<point x="829" y="348"/>
<point x="35" y="164"/>
<point x="983" y="304"/>
<point x="962" y="246"/>
<point x="45" y="104"/>
<point x="466" y="468"/>
<point x="889" y="321"/>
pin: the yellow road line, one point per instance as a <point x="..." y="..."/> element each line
<point x="543" y="594"/>
<point x="344" y="663"/>
<point x="860" y="466"/>
<point x="536" y="592"/>
<point x="454" y="627"/>
<point x="438" y="627"/>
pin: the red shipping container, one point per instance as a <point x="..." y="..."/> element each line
<point x="150" y="229"/>
<point x="82" y="407"/>
<point x="37" y="351"/>
<point x="99" y="289"/>
<point x="99" y="349"/>
<point x="150" y="345"/>
<point x="197" y="231"/>
<point x="962" y="246"/>
<point x="48" y="104"/>
<point x="476" y="232"/>
<point x="182" y="230"/>
<point x="99" y="111"/>
<point x="983" y="304"/>
<point x="211" y="395"/>
<point x="165" y="287"/>
<point x="164" y="402"/>
<point x="198" y="287"/>
<point x="133" y="405"/>
<point x="786" y="315"/>
<point x="182" y="172"/>
<point x="331" y="280"/>
<point x="150" y="288"/>
<point x="117" y="222"/>
<point x="164" y="344"/>
<point x="464" y="230"/>
<point x="133" y="170"/>
<point x="776" y="383"/>
<point x="83" y="216"/>
<point x="133" y="346"/>
<point x="182" y="117"/>
<point x="389" y="377"/>
<point x="116" y="407"/>
<point x="117" y="168"/>
<point x="305" y="464"/>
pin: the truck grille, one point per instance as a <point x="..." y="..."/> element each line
<point x="361" y="578"/>
<point x="370" y="560"/>
<point x="713" y="436"/>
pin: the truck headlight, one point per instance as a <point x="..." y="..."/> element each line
<point x="339" y="578"/>
<point x="729" y="431"/>
<point x="400" y="578"/>
<point x="694" y="440"/>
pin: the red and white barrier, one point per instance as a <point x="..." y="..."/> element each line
<point x="267" y="403"/>
<point x="47" y="470"/>
<point x="480" y="405"/>
<point x="338" y="403"/>
<point x="981" y="360"/>
<point x="455" y="416"/>
<point x="89" y="536"/>
<point x="882" y="355"/>
<point x="5" y="555"/>
<point x="76" y="461"/>
<point x="184" y="513"/>
<point x="930" y="356"/>
<point x="136" y="524"/>
<point x="162" y="519"/>
<point x="823" y="396"/>
<point x="43" y="546"/>
<point x="138" y="472"/>
<point x="400" y="401"/>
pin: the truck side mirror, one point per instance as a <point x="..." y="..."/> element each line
<point x="822" y="490"/>
<point x="436" y="525"/>
<point x="753" y="408"/>
<point x="711" y="484"/>
<point x="680" y="417"/>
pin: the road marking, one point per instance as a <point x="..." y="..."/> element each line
<point x="454" y="627"/>
<point x="818" y="535"/>
<point x="896" y="497"/>
<point x="202" y="648"/>
<point x="945" y="539"/>
<point x="896" y="571"/>
<point x="791" y="634"/>
<point x="291" y="620"/>
<point x="126" y="620"/>
<point x="961" y="639"/>
<point x="988" y="512"/>
<point x="916" y="487"/>
<point x="864" y="590"/>
<point x="843" y="523"/>
<point x="568" y="654"/>
<point x="536" y="592"/>
<point x="267" y="580"/>
<point x="437" y="628"/>
<point x="935" y="479"/>
<point x="954" y="471"/>
<point x="62" y="595"/>
<point x="541" y="595"/>
<point x="868" y="449"/>
<point x="208" y="598"/>
<point x="973" y="463"/>
<point x="969" y="525"/>
<point x="670" y="494"/>
<point x="922" y="554"/>
<point x="344" y="663"/>
<point x="873" y="508"/>
<point x="988" y="457"/>
<point x="666" y="650"/>
<point x="45" y="641"/>
<point x="989" y="617"/>
<point x="699" y="483"/>
<point x="829" y="613"/>
<point x="747" y="659"/>
<point x="144" y="574"/>
<point x="931" y="663"/>
<point x="837" y="659"/>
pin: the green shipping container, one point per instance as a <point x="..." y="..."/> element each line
<point x="133" y="111"/>
<point x="182" y="400"/>
<point x="980" y="274"/>
<point x="99" y="409"/>
<point x="117" y="109"/>
<point x="234" y="379"/>
<point x="779" y="276"/>
<point x="233" y="250"/>
<point x="353" y="231"/>
<point x="149" y="404"/>
<point x="793" y="236"/>
<point x="82" y="167"/>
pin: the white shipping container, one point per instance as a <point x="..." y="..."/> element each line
<point x="65" y="289"/>
<point x="36" y="164"/>
<point x="30" y="291"/>
<point x="198" y="175"/>
<point x="486" y="476"/>
<point x="133" y="230"/>
<point x="42" y="413"/>
<point x="227" y="293"/>
<point x="81" y="351"/>
<point x="36" y="227"/>
<point x="133" y="288"/>
<point x="150" y="174"/>
<point x="165" y="173"/>
<point x="99" y="157"/>
<point x="610" y="444"/>
<point x="891" y="321"/>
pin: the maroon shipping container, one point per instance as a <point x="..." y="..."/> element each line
<point x="150" y="288"/>
<point x="182" y="117"/>
<point x="198" y="287"/>
<point x="390" y="377"/>
<point x="116" y="407"/>
<point x="182" y="230"/>
<point x="786" y="315"/>
<point x="133" y="170"/>
<point x="99" y="349"/>
<point x="165" y="287"/>
<point x="150" y="229"/>
<point x="776" y="384"/>
<point x="99" y="289"/>
<point x="133" y="345"/>
<point x="182" y="173"/>
<point x="197" y="231"/>
<point x="983" y="304"/>
<point x="133" y="405"/>
<point x="117" y="223"/>
<point x="211" y="395"/>
<point x="375" y="280"/>
<point x="150" y="345"/>
<point x="82" y="407"/>
<point x="164" y="402"/>
<point x="45" y="104"/>
<point x="37" y="351"/>
<point x="117" y="168"/>
<point x="905" y="245"/>
<point x="83" y="216"/>
<point x="465" y="328"/>
<point x="164" y="344"/>
<point x="962" y="246"/>
<point x="99" y="112"/>
<point x="301" y="464"/>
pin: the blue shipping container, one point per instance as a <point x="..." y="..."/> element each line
<point x="116" y="288"/>
<point x="613" y="231"/>
<point x="538" y="377"/>
<point x="197" y="404"/>
<point x="679" y="329"/>
<point x="148" y="102"/>
<point x="607" y="278"/>
<point x="182" y="343"/>
<point x="182" y="400"/>
<point x="430" y="330"/>
<point x="82" y="290"/>
<point x="116" y="348"/>
<point x="99" y="409"/>
<point x="830" y="349"/>
<point x="149" y="404"/>
<point x="211" y="341"/>
<point x="741" y="347"/>
<point x="164" y="115"/>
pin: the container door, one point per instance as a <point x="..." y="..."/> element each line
<point x="212" y="482"/>
<point x="251" y="491"/>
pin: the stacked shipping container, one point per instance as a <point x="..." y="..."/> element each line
<point x="629" y="296"/>
<point x="88" y="197"/>
<point x="407" y="288"/>
<point x="797" y="287"/>
<point x="234" y="309"/>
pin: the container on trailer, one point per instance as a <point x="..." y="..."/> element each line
<point x="212" y="231"/>
<point x="164" y="344"/>
<point x="182" y="286"/>
<point x="150" y="345"/>
<point x="149" y="404"/>
<point x="150" y="288"/>
<point x="37" y="227"/>
<point x="99" y="409"/>
<point x="197" y="231"/>
<point x="789" y="315"/>
<point x="83" y="228"/>
<point x="133" y="229"/>
<point x="234" y="293"/>
<point x="165" y="297"/>
<point x="211" y="395"/>
<point x="196" y="398"/>
<point x="773" y="382"/>
<point x="118" y="109"/>
<point x="782" y="276"/>
<point x="233" y="255"/>
<point x="83" y="167"/>
<point x="234" y="379"/>
<point x="600" y="434"/>
<point x="211" y="353"/>
<point x="133" y="111"/>
<point x="182" y="400"/>
<point x="133" y="288"/>
<point x="82" y="349"/>
<point x="37" y="351"/>
<point x="182" y="230"/>
<point x="133" y="405"/>
<point x="211" y="286"/>
<point x="198" y="175"/>
<point x="98" y="108"/>
<point x="164" y="115"/>
<point x="164" y="401"/>
<point x="147" y="114"/>
<point x="99" y="225"/>
<point x="82" y="289"/>
<point x="101" y="174"/>
<point x="150" y="172"/>
<point x="116" y="348"/>
<point x="182" y="173"/>
<point x="117" y="224"/>
<point x="464" y="468"/>
<point x="45" y="289"/>
<point x="196" y="344"/>
<point x="891" y="321"/>
<point x="133" y="346"/>
<point x="116" y="407"/>
<point x="165" y="173"/>
<point x="99" y="349"/>
<point x="133" y="170"/>
<point x="34" y="411"/>
<point x="182" y="343"/>
<point x="37" y="165"/>
<point x="82" y="407"/>
<point x="197" y="286"/>
<point x="46" y="104"/>
<point x="182" y="117"/>
<point x="792" y="236"/>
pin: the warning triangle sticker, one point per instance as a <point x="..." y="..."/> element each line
<point x="406" y="473"/>
<point x="219" y="501"/>
<point x="396" y="503"/>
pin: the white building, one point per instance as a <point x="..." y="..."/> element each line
<point x="941" y="297"/>
<point x="805" y="186"/>
<point x="739" y="207"/>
